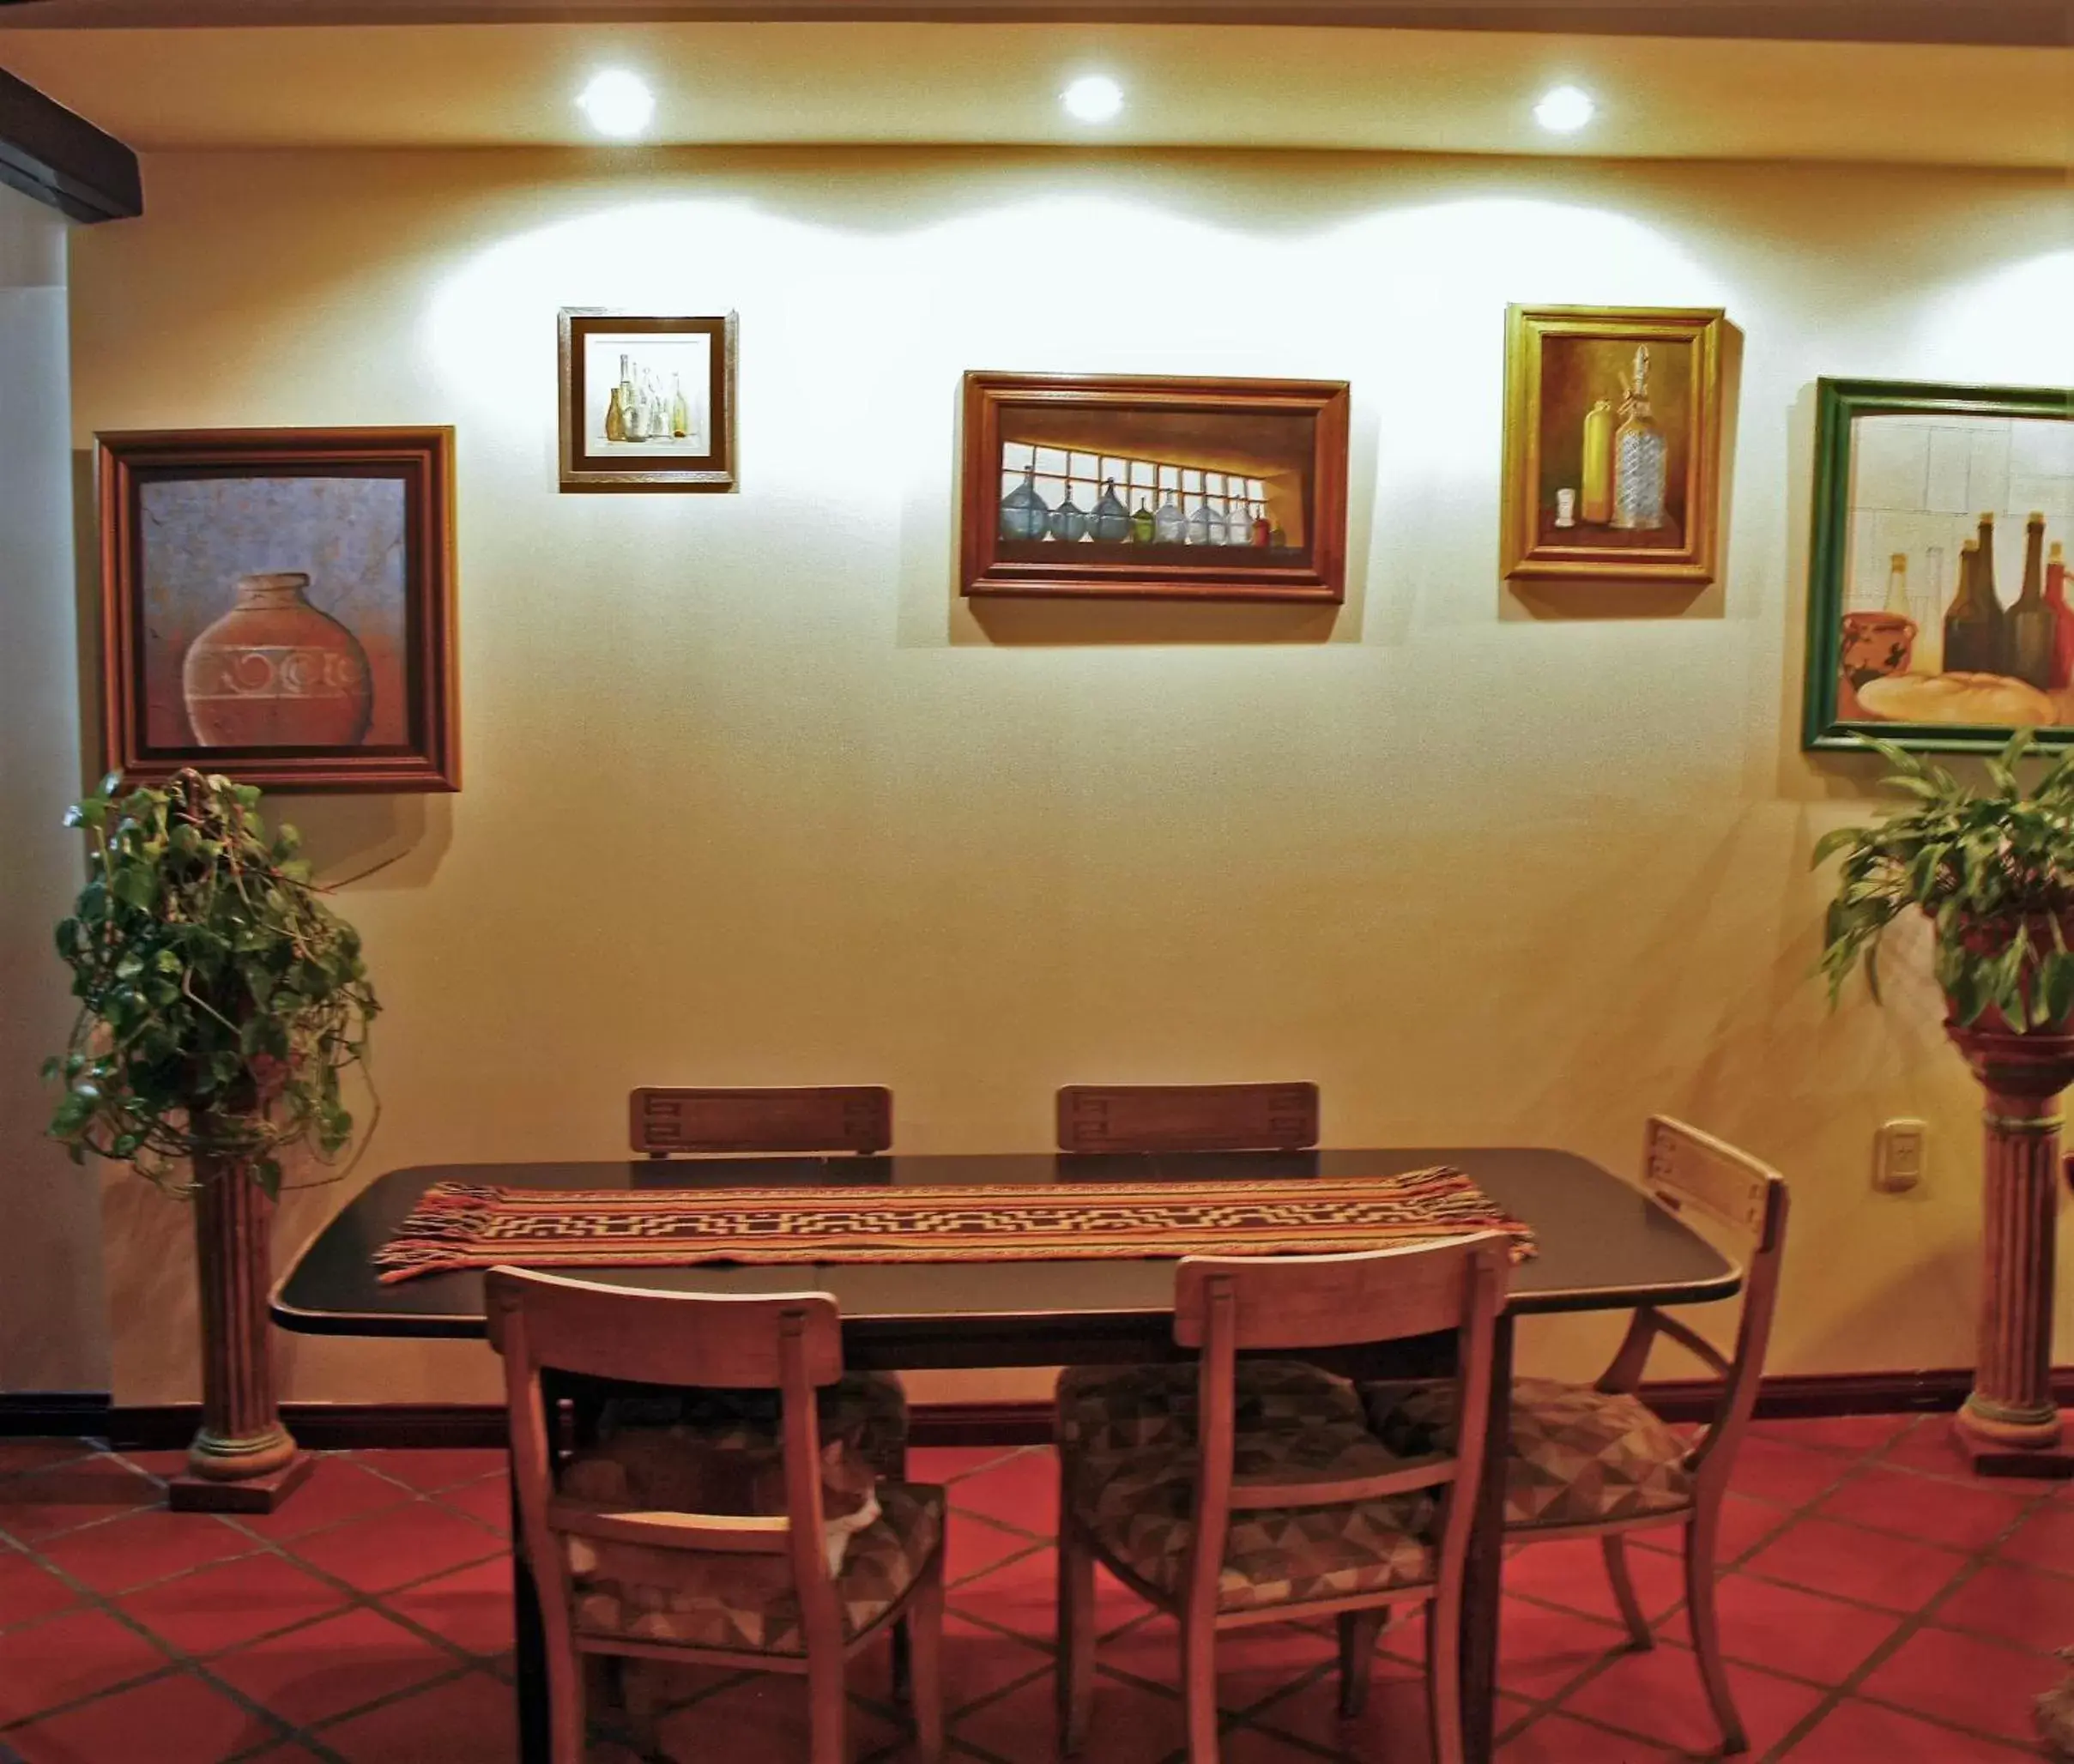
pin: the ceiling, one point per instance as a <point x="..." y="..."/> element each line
<point x="1454" y="91"/>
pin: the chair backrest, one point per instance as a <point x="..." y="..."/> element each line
<point x="1700" y="1177"/>
<point x="1225" y="1304"/>
<point x="1188" y="1117"/>
<point x="666" y="1120"/>
<point x="791" y="1342"/>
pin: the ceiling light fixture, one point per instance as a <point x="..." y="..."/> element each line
<point x="618" y="103"/>
<point x="1565" y="110"/>
<point x="1094" y="97"/>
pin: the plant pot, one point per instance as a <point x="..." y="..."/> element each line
<point x="1992" y="940"/>
<point x="275" y="672"/>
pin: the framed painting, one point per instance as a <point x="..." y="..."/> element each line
<point x="278" y="604"/>
<point x="1118" y="485"/>
<point x="1936" y="580"/>
<point x="647" y="401"/>
<point x="1613" y="443"/>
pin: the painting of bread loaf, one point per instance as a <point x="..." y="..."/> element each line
<point x="1938" y="615"/>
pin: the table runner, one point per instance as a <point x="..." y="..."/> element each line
<point x="468" y="1225"/>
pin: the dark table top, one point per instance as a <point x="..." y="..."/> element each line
<point x="1604" y="1246"/>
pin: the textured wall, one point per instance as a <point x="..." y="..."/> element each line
<point x="754" y="798"/>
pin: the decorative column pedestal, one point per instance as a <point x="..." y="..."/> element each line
<point x="243" y="1460"/>
<point x="2010" y="1425"/>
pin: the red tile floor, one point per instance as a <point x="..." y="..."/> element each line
<point x="1880" y="1608"/>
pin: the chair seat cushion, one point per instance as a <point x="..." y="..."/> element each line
<point x="1579" y="1456"/>
<point x="867" y="1408"/>
<point x="1110" y="1409"/>
<point x="1139" y="1506"/>
<point x="713" y="1598"/>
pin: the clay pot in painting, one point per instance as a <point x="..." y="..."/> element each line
<point x="1875" y="646"/>
<point x="275" y="672"/>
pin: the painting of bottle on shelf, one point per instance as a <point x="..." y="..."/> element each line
<point x="1154" y="488"/>
<point x="1613" y="443"/>
<point x="1938" y="616"/>
<point x="647" y="400"/>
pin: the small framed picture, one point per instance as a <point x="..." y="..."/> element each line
<point x="1613" y="443"/>
<point x="647" y="401"/>
<point x="1148" y="488"/>
<point x="278" y="604"/>
<point x="1938" y="616"/>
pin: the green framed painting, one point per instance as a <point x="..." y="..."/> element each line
<point x="1938" y="617"/>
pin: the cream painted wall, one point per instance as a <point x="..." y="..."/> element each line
<point x="52" y="1335"/>
<point x="752" y="797"/>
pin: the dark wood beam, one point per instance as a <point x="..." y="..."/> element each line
<point x="58" y="158"/>
<point x="2009" y="23"/>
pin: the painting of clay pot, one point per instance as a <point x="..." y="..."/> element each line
<point x="275" y="672"/>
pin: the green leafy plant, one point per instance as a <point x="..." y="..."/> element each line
<point x="1992" y="868"/>
<point x="221" y="999"/>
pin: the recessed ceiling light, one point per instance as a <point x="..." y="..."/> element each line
<point x="1095" y="98"/>
<point x="1565" y="110"/>
<point x="618" y="103"/>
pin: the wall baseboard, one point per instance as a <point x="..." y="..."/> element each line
<point x="333" y="1427"/>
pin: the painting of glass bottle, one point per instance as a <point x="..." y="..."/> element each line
<point x="1641" y="455"/>
<point x="1595" y="496"/>
<point x="1025" y="513"/>
<point x="1110" y="523"/>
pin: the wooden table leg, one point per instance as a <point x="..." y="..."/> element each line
<point x="1483" y="1575"/>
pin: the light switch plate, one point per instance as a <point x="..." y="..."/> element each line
<point x="1900" y="1156"/>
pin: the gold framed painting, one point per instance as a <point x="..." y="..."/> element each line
<point x="1613" y="443"/>
<point x="647" y="400"/>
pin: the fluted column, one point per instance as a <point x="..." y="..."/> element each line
<point x="2010" y="1423"/>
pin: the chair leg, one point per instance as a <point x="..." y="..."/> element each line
<point x="1616" y="1549"/>
<point x="923" y="1624"/>
<point x="1444" y="1676"/>
<point x="827" y="1705"/>
<point x="1076" y="1662"/>
<point x="1198" y="1683"/>
<point x="1702" y="1532"/>
<point x="1359" y="1631"/>
<point x="568" y="1735"/>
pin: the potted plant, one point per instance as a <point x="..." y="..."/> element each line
<point x="1992" y="869"/>
<point x="221" y="1002"/>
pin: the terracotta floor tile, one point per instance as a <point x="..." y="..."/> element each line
<point x="234" y="1602"/>
<point x="1745" y="1523"/>
<point x="1252" y="1664"/>
<point x="1786" y="1475"/>
<point x="395" y="1548"/>
<point x="160" y="1465"/>
<point x="1022" y="1595"/>
<point x="1557" y="1739"/>
<point x="69" y="1657"/>
<point x="1251" y="1746"/>
<point x="28" y="1591"/>
<point x="337" y="1490"/>
<point x="1862" y="1733"/>
<point x="470" y="1608"/>
<point x="1930" y="1445"/>
<point x="139" y="1548"/>
<point x="1920" y="1507"/>
<point x="472" y="1720"/>
<point x="973" y="1546"/>
<point x="487" y="1501"/>
<point x="2022" y="1605"/>
<point x="1895" y="1574"/>
<point x="2045" y="1539"/>
<point x="41" y="1503"/>
<point x="762" y="1720"/>
<point x="1983" y="1685"/>
<point x="1571" y="1573"/>
<point x="1803" y="1634"/>
<point x="173" y="1720"/>
<point x="1022" y="1492"/>
<point x="39" y="1454"/>
<point x="977" y="1662"/>
<point x="323" y="1669"/>
<point x="428" y="1470"/>
<point x="1541" y="1650"/>
<point x="1659" y="1695"/>
<point x="1854" y="1433"/>
<point x="1391" y="1730"/>
<point x="1130" y="1725"/>
<point x="943" y="1463"/>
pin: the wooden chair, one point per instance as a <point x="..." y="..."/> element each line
<point x="669" y="1121"/>
<point x="716" y="1589"/>
<point x="1236" y="1527"/>
<point x="1188" y="1117"/>
<point x="1592" y="1460"/>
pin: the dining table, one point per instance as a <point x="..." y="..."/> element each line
<point x="1602" y="1244"/>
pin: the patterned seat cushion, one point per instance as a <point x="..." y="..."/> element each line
<point x="714" y="1599"/>
<point x="1110" y="1409"/>
<point x="1579" y="1455"/>
<point x="869" y="1409"/>
<point x="1138" y="1505"/>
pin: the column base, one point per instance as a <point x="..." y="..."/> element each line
<point x="189" y="1493"/>
<point x="1996" y="1454"/>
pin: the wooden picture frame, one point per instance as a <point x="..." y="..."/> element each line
<point x="663" y="418"/>
<point x="278" y="604"/>
<point x="1904" y="471"/>
<point x="1185" y="461"/>
<point x="1571" y="389"/>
